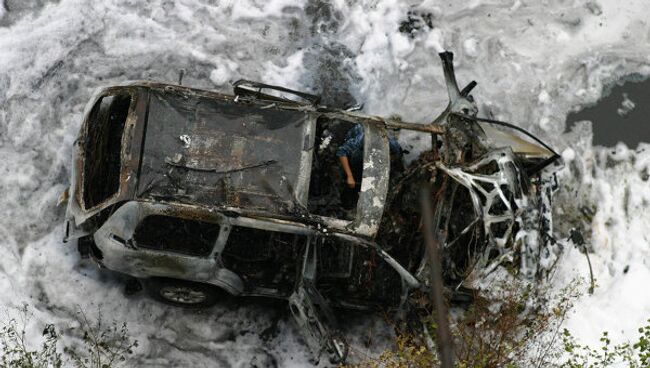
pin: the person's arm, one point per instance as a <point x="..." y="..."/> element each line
<point x="353" y="143"/>
<point x="345" y="163"/>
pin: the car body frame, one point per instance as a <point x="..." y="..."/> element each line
<point x="176" y="183"/>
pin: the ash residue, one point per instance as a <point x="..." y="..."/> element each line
<point x="416" y="22"/>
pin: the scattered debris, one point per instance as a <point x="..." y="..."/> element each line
<point x="416" y="22"/>
<point x="627" y="106"/>
<point x="186" y="140"/>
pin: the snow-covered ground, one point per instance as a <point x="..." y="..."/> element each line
<point x="534" y="61"/>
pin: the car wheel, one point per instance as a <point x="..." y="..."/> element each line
<point x="186" y="294"/>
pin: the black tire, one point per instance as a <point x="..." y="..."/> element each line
<point x="181" y="293"/>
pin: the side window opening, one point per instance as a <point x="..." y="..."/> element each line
<point x="262" y="257"/>
<point x="172" y="234"/>
<point x="102" y="146"/>
<point x="329" y="194"/>
<point x="356" y="275"/>
<point x="335" y="258"/>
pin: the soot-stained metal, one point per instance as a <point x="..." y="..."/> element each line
<point x="243" y="194"/>
<point x="211" y="152"/>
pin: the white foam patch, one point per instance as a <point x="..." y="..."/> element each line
<point x="619" y="239"/>
<point x="626" y="107"/>
<point x="263" y="9"/>
<point x="286" y="73"/>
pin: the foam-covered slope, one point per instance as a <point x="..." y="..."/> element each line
<point x="534" y="61"/>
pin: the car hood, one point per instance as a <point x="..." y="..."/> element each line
<point x="499" y="139"/>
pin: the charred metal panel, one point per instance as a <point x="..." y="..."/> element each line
<point x="301" y="188"/>
<point x="78" y="213"/>
<point x="121" y="252"/>
<point x="218" y="153"/>
<point x="374" y="185"/>
<point x="493" y="192"/>
<point x="312" y="311"/>
<point x="102" y="146"/>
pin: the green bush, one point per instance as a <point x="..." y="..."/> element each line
<point x="633" y="355"/>
<point x="517" y="326"/>
<point x="14" y="349"/>
<point x="102" y="345"/>
<point x="508" y="330"/>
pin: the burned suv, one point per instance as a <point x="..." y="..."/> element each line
<point x="193" y="193"/>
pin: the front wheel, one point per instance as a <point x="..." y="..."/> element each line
<point x="182" y="293"/>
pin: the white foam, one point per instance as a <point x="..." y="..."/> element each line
<point x="533" y="66"/>
<point x="626" y="107"/>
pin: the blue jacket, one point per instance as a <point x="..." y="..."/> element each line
<point x="352" y="148"/>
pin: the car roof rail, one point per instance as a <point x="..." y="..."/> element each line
<point x="245" y="87"/>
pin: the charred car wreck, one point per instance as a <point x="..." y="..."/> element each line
<point x="194" y="192"/>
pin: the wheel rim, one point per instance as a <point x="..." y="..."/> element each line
<point x="183" y="294"/>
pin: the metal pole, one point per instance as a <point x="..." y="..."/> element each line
<point x="443" y="333"/>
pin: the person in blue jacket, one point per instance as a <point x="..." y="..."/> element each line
<point x="350" y="155"/>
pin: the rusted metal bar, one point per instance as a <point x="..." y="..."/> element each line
<point x="388" y="123"/>
<point x="443" y="333"/>
<point x="170" y="162"/>
<point x="447" y="59"/>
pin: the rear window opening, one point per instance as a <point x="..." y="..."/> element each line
<point x="164" y="233"/>
<point x="102" y="146"/>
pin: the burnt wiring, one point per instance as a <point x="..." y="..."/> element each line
<point x="539" y="166"/>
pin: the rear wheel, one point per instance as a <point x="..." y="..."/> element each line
<point x="182" y="293"/>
